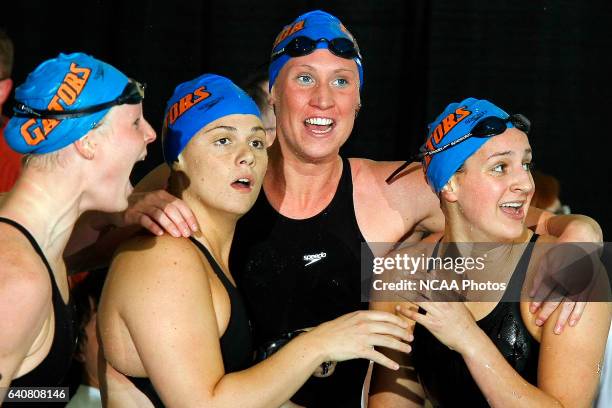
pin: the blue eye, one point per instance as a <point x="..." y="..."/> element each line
<point x="499" y="168"/>
<point x="305" y="79"/>
<point x="340" y="82"/>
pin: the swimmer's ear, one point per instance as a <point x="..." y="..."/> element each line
<point x="449" y="191"/>
<point x="86" y="147"/>
<point x="272" y="97"/>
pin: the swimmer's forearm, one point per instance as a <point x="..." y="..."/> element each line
<point x="273" y="381"/>
<point x="570" y="228"/>
<point x="395" y="388"/>
<point x="501" y="385"/>
<point x="575" y="228"/>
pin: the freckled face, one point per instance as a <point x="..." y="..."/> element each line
<point x="495" y="189"/>
<point x="315" y="98"/>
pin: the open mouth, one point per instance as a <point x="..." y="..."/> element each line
<point x="319" y="125"/>
<point x="514" y="209"/>
<point x="243" y="184"/>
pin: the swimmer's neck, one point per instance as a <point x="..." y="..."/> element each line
<point x="217" y="227"/>
<point x="301" y="181"/>
<point x="48" y="209"/>
<point x="465" y="232"/>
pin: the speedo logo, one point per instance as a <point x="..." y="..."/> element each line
<point x="68" y="92"/>
<point x="444" y="127"/>
<point x="185" y="103"/>
<point x="310" y="259"/>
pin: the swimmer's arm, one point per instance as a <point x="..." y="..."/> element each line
<point x="567" y="370"/>
<point x="24" y="305"/>
<point x="173" y="325"/>
<point x="568" y="228"/>
<point x="399" y="388"/>
<point x="420" y="202"/>
<point x="408" y="198"/>
<point x="97" y="235"/>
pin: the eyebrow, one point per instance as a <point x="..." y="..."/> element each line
<point x="506" y="153"/>
<point x="335" y="70"/>
<point x="234" y="130"/>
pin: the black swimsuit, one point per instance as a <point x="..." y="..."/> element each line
<point x="300" y="273"/>
<point x="50" y="372"/>
<point x="236" y="342"/>
<point x="443" y="373"/>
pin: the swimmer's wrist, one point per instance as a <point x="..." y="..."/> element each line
<point x="313" y="346"/>
<point x="473" y="343"/>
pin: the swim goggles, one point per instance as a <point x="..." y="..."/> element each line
<point x="485" y="127"/>
<point x="132" y="94"/>
<point x="301" y="45"/>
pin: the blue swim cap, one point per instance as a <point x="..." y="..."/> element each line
<point x="68" y="82"/>
<point x="458" y="119"/>
<point x="315" y="25"/>
<point x="196" y="103"/>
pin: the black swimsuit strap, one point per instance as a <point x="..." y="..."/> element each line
<point x="32" y="240"/>
<point x="213" y="263"/>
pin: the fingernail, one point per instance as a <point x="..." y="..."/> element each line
<point x="396" y="366"/>
<point x="186" y="233"/>
<point x="532" y="309"/>
<point x="572" y="322"/>
<point x="539" y="322"/>
<point x="175" y="233"/>
<point x="397" y="308"/>
<point x="194" y="227"/>
<point x="558" y="329"/>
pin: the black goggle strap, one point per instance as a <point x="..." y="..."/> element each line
<point x="132" y="94"/>
<point x="518" y="120"/>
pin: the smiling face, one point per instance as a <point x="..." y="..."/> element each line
<point x="315" y="99"/>
<point x="226" y="162"/>
<point x="491" y="195"/>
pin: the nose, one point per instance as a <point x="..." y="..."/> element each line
<point x="245" y="156"/>
<point x="149" y="133"/>
<point x="322" y="97"/>
<point x="523" y="182"/>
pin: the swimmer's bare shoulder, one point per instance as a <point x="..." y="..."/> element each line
<point x="160" y="289"/>
<point x="25" y="301"/>
<point x="393" y="212"/>
<point x="152" y="263"/>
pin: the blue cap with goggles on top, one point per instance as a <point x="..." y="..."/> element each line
<point x="196" y="103"/>
<point x="457" y="133"/>
<point x="63" y="99"/>
<point x="310" y="31"/>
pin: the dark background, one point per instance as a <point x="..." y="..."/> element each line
<point x="549" y="60"/>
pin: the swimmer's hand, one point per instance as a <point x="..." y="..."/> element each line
<point x="565" y="278"/>
<point x="450" y="322"/>
<point x="159" y="212"/>
<point x="354" y="335"/>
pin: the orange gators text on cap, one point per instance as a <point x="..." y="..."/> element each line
<point x="287" y="31"/>
<point x="444" y="127"/>
<point x="185" y="103"/>
<point x="68" y="92"/>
